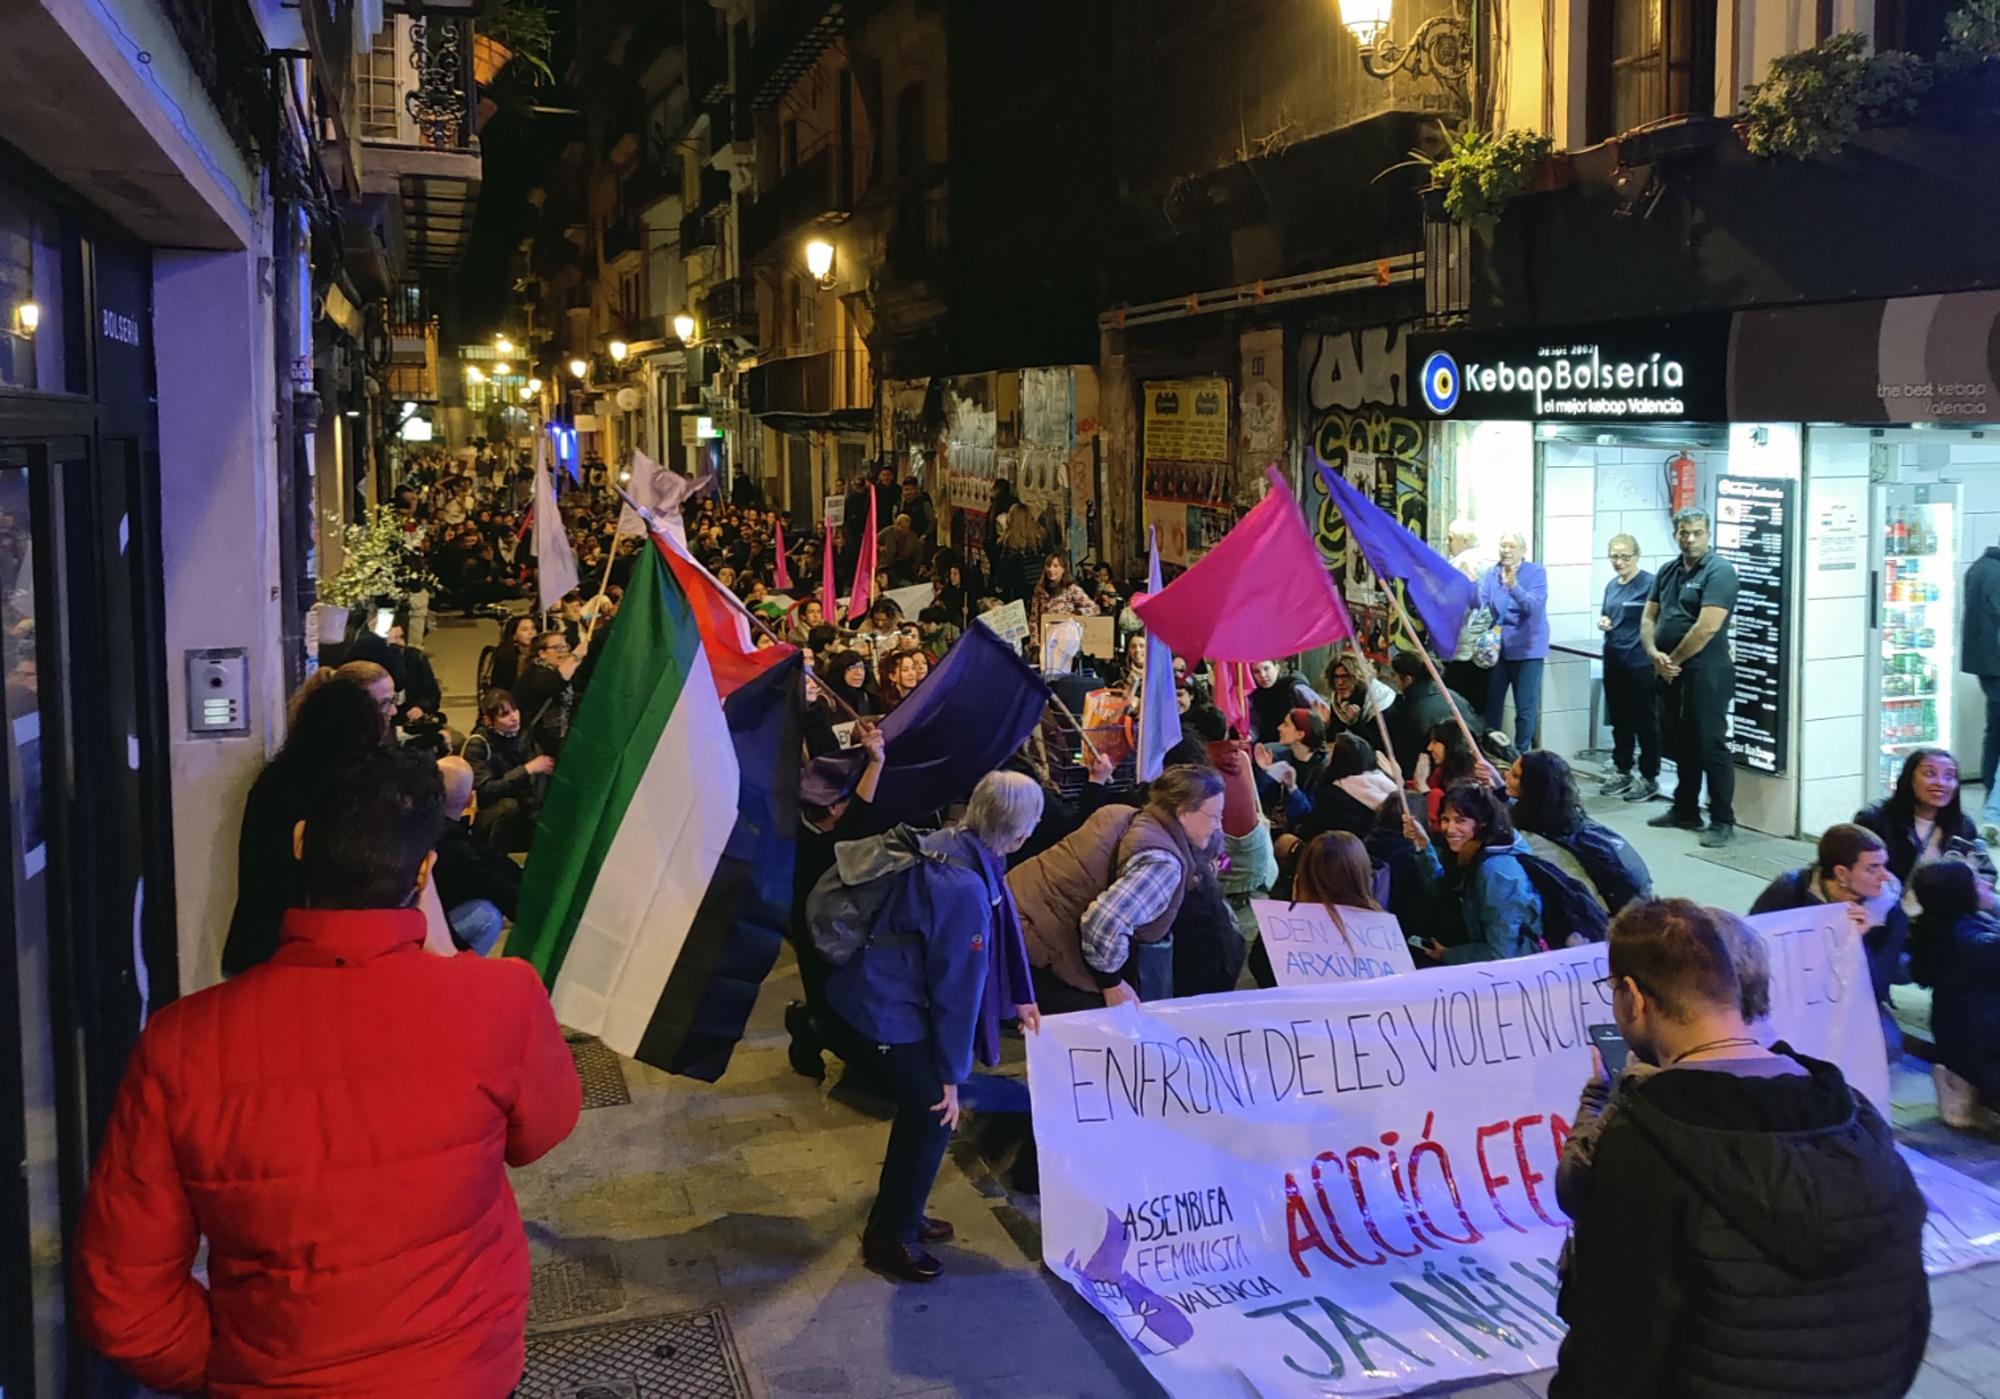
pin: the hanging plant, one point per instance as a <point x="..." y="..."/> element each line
<point x="380" y="565"/>
<point x="1479" y="172"/>
<point x="1811" y="103"/>
<point x="514" y="30"/>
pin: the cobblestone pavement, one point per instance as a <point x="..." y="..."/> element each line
<point x="750" y="1194"/>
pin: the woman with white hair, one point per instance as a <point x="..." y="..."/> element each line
<point x="927" y="990"/>
<point x="1516" y="592"/>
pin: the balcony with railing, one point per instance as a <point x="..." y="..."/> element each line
<point x="789" y="41"/>
<point x="729" y="311"/>
<point x="819" y="190"/>
<point x="412" y="373"/>
<point x="413" y="110"/>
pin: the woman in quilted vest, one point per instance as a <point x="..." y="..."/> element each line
<point x="1118" y="881"/>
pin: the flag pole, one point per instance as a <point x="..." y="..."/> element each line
<point x="1082" y="737"/>
<point x="1424" y="654"/>
<point x="739" y="605"/>
<point x="1381" y="724"/>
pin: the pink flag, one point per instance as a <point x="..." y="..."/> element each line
<point x="828" y="595"/>
<point x="864" y="570"/>
<point x="1261" y="594"/>
<point x="781" y="575"/>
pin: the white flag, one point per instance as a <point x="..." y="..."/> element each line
<point x="659" y="492"/>
<point x="555" y="561"/>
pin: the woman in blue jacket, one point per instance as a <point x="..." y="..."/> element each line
<point x="1484" y="886"/>
<point x="1517" y="593"/>
<point x="944" y="962"/>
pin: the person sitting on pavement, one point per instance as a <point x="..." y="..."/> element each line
<point x="1548" y="813"/>
<point x="921" y="994"/>
<point x="478" y="886"/>
<point x="1746" y="1225"/>
<point x="1335" y="872"/>
<point x="1389" y="849"/>
<point x="509" y="777"/>
<point x="1092" y="901"/>
<point x="1355" y="698"/>
<point x="1955" y="950"/>
<point x="1446" y="761"/>
<point x="336" y="725"/>
<point x="1483" y="898"/>
<point x="1922" y="820"/>
<point x="1420" y="706"/>
<point x="1852" y="868"/>
<point x="1278" y="692"/>
<point x="1290" y="781"/>
<point x="1351" y="789"/>
<point x="336" y="1126"/>
<point x="502" y="666"/>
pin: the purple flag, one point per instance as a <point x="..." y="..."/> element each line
<point x="1159" y="714"/>
<point x="965" y="719"/>
<point x="1440" y="594"/>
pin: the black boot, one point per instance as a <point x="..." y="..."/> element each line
<point x="804" y="1050"/>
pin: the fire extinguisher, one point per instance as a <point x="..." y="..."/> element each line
<point x="1680" y="480"/>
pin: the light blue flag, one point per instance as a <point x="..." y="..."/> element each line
<point x="1159" y="714"/>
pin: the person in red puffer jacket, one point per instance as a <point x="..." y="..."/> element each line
<point x="337" y="1123"/>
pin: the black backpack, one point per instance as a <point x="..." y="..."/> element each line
<point x="843" y="916"/>
<point x="1571" y="914"/>
<point x="1612" y="864"/>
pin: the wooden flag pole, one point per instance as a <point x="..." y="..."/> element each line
<point x="1368" y="698"/>
<point x="1424" y="654"/>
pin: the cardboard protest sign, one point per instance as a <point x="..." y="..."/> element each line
<point x="1307" y="948"/>
<point x="1348" y="1188"/>
<point x="1009" y="622"/>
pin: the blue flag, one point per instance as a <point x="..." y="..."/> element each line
<point x="1439" y="593"/>
<point x="1159" y="714"/>
<point x="962" y="722"/>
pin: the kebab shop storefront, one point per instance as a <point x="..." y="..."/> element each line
<point x="1849" y="457"/>
<point x="1572" y="436"/>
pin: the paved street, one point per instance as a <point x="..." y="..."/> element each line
<point x="750" y="1194"/>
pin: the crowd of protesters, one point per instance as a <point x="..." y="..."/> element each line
<point x="384" y="827"/>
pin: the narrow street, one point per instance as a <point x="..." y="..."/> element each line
<point x="745" y="1199"/>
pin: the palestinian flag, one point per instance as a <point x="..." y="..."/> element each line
<point x="656" y="894"/>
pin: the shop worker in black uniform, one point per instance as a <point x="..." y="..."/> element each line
<point x="1684" y="633"/>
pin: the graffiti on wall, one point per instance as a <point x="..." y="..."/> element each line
<point x="1357" y="422"/>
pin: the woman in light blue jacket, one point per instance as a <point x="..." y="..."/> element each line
<point x="1487" y="907"/>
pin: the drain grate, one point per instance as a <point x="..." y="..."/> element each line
<point x="687" y="1356"/>
<point x="603" y="1075"/>
<point x="569" y="1289"/>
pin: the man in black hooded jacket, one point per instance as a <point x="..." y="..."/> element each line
<point x="1745" y="1226"/>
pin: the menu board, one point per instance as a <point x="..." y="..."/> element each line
<point x="1754" y="518"/>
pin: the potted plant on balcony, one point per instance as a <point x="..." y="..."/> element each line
<point x="1479" y="172"/>
<point x="379" y="568"/>
<point x="515" y="30"/>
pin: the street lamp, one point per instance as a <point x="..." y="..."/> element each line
<point x="28" y="316"/>
<point x="819" y="261"/>
<point x="684" y="328"/>
<point x="534" y="386"/>
<point x="578" y="369"/>
<point x="473" y="376"/>
<point x="1441" y="47"/>
<point x="527" y="393"/>
<point x="504" y="345"/>
<point x="503" y="369"/>
<point x="619" y="349"/>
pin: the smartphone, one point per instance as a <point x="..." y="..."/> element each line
<point x="385" y="618"/>
<point x="1610" y="1047"/>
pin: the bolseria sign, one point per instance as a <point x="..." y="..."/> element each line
<point x="1665" y="371"/>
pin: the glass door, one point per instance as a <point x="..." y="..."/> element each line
<point x="1917" y="573"/>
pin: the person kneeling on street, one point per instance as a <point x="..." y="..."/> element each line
<point x="942" y="956"/>
<point x="1747" y="1226"/>
<point x="336" y="1123"/>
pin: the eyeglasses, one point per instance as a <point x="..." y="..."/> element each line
<point x="1616" y="556"/>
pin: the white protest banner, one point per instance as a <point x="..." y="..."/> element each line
<point x="911" y="600"/>
<point x="1348" y="1189"/>
<point x="1803" y="943"/>
<point x="1009" y="622"/>
<point x="1307" y="948"/>
<point x="832" y="511"/>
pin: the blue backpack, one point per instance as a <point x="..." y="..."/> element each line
<point x="1571" y="914"/>
<point x="1612" y="864"/>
